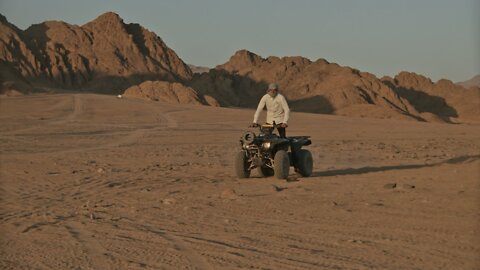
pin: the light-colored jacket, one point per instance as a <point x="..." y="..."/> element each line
<point x="277" y="109"/>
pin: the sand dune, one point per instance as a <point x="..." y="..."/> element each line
<point x="95" y="182"/>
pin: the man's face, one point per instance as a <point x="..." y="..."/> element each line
<point x="272" y="92"/>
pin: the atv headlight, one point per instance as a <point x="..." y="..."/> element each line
<point x="266" y="145"/>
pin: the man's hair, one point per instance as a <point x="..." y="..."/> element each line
<point x="272" y="86"/>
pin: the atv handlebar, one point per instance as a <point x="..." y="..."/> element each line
<point x="255" y="125"/>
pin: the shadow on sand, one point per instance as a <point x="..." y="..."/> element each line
<point x="455" y="160"/>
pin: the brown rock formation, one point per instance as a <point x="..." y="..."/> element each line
<point x="104" y="55"/>
<point x="175" y="93"/>
<point x="323" y="87"/>
<point x="473" y="82"/>
<point x="319" y="86"/>
<point x="198" y="69"/>
<point x="16" y="59"/>
<point x="446" y="100"/>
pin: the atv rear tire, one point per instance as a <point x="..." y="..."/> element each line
<point x="265" y="171"/>
<point x="241" y="165"/>
<point x="304" y="162"/>
<point x="281" y="164"/>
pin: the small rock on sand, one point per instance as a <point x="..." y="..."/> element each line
<point x="278" y="188"/>
<point x="168" y="201"/>
<point x="390" y="186"/>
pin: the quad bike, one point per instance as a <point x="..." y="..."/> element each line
<point x="270" y="154"/>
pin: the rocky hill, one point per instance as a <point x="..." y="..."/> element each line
<point x="198" y="69"/>
<point x="443" y="99"/>
<point x="104" y="55"/>
<point x="323" y="87"/>
<point x="17" y="62"/>
<point x="473" y="82"/>
<point x="170" y="92"/>
<point x="108" y="56"/>
<point x="319" y="86"/>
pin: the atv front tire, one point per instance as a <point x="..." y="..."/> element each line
<point x="241" y="165"/>
<point x="304" y="162"/>
<point x="281" y="164"/>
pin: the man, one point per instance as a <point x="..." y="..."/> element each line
<point x="277" y="109"/>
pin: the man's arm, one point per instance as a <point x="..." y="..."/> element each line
<point x="286" y="109"/>
<point x="260" y="107"/>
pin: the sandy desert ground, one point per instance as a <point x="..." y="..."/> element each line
<point x="96" y="182"/>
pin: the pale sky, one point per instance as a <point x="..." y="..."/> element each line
<point x="436" y="38"/>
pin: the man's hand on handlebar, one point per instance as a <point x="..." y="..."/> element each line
<point x="255" y="125"/>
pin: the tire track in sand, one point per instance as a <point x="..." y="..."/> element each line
<point x="195" y="259"/>
<point x="192" y="256"/>
<point x="97" y="255"/>
<point x="129" y="137"/>
<point x="133" y="136"/>
<point x="77" y="109"/>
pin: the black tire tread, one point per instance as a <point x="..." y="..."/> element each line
<point x="304" y="162"/>
<point x="241" y="166"/>
<point x="281" y="164"/>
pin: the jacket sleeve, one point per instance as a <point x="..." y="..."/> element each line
<point x="260" y="107"/>
<point x="286" y="109"/>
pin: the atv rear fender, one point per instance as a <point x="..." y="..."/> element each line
<point x="297" y="142"/>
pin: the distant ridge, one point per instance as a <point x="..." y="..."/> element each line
<point x="473" y="82"/>
<point x="109" y="56"/>
<point x="323" y="87"/>
<point x="104" y="55"/>
<point x="198" y="69"/>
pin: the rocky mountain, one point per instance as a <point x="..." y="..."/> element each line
<point x="17" y="62"/>
<point x="108" y="56"/>
<point x="473" y="82"/>
<point x="104" y="55"/>
<point x="319" y="86"/>
<point x="443" y="99"/>
<point x="323" y="87"/>
<point x="170" y="92"/>
<point x="198" y="69"/>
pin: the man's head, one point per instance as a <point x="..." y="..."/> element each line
<point x="272" y="89"/>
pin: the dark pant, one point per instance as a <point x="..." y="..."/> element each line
<point x="282" y="132"/>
